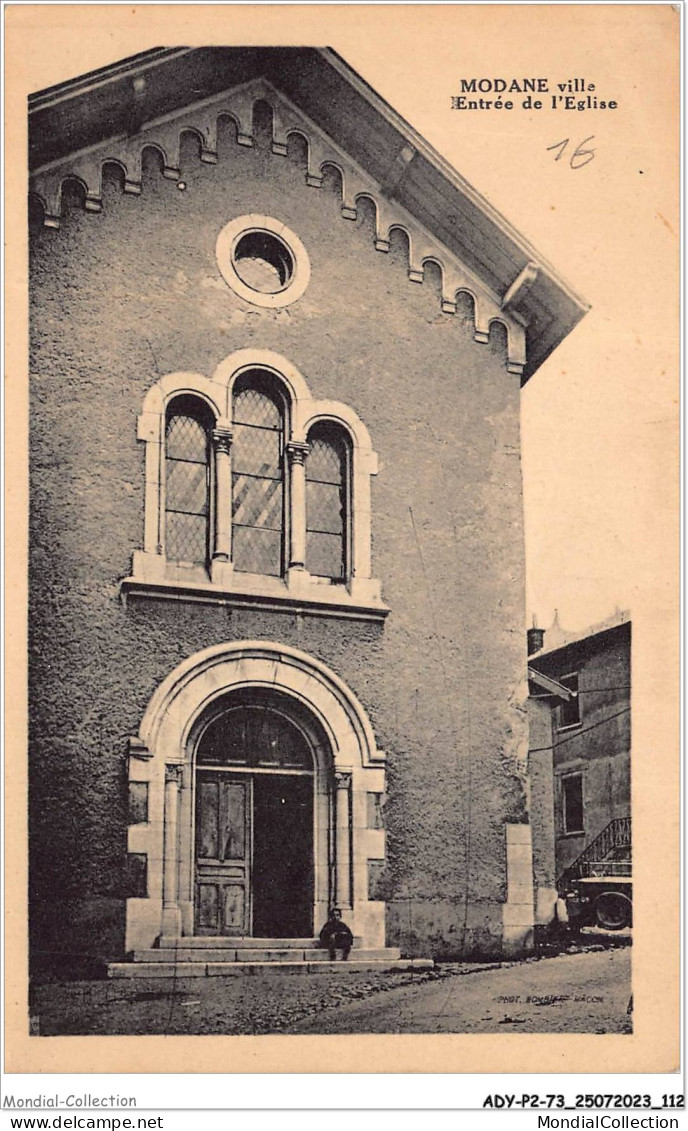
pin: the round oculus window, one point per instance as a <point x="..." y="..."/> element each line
<point x="263" y="261"/>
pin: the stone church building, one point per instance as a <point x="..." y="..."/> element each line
<point x="277" y="629"/>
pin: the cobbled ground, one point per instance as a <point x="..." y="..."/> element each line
<point x="249" y="1004"/>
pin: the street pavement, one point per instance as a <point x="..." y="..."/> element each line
<point x="573" y="993"/>
<point x="583" y="992"/>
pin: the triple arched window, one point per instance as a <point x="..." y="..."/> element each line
<point x="265" y="494"/>
<point x="255" y="488"/>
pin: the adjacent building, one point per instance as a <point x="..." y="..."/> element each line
<point x="580" y="756"/>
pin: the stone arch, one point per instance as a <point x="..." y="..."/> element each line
<point x="157" y="148"/>
<point x="435" y="276"/>
<point x="346" y="418"/>
<point x="466" y="305"/>
<point x="195" y="682"/>
<point x="498" y="334"/>
<point x="367" y="212"/>
<point x="113" y="172"/>
<point x="178" y="384"/>
<point x="187" y="135"/>
<point x="240" y="361"/>
<point x="298" y="148"/>
<point x="162" y="755"/>
<point x="332" y="174"/>
<point x="74" y="186"/>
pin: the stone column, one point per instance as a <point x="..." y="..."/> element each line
<point x="171" y="917"/>
<point x="222" y="443"/>
<point x="296" y="453"/>
<point x="342" y="782"/>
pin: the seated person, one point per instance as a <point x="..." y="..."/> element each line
<point x="335" y="935"/>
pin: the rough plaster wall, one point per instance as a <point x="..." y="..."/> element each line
<point x="601" y="749"/>
<point x="126" y="296"/>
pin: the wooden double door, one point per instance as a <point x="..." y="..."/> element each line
<point x="254" y="854"/>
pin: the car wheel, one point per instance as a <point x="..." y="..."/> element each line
<point x="613" y="911"/>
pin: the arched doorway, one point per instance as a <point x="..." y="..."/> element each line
<point x="214" y="719"/>
<point x="256" y="776"/>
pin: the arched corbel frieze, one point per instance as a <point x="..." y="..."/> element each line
<point x="202" y="120"/>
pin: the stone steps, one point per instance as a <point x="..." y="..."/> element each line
<point x="195" y="969"/>
<point x="196" y="956"/>
<point x="258" y="954"/>
<point x="224" y="942"/>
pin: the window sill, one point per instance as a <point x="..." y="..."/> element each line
<point x="153" y="578"/>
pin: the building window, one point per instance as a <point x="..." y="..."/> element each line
<point x="258" y="478"/>
<point x="263" y="261"/>
<point x="187" y="482"/>
<point x="570" y="712"/>
<point x="572" y="803"/>
<point x="327" y="503"/>
<point x="254" y="486"/>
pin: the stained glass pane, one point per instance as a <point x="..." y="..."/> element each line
<point x="186" y="538"/>
<point x="325" y="460"/>
<point x="324" y="507"/>
<point x="257" y="502"/>
<point x="186" y="439"/>
<point x="257" y="482"/>
<point x="326" y="504"/>
<point x="186" y="487"/>
<point x="324" y="555"/>
<point x="256" y="451"/>
<point x="257" y="551"/>
<point x="251" y="406"/>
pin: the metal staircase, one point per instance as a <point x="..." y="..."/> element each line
<point x="611" y="848"/>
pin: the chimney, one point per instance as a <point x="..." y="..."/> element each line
<point x="536" y="638"/>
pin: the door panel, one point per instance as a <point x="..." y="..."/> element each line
<point x="207" y="906"/>
<point x="254" y="855"/>
<point x="223" y="839"/>
<point x="207" y="827"/>
<point x="234" y="910"/>
<point x="234" y="819"/>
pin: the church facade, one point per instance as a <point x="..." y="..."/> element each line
<point x="277" y="646"/>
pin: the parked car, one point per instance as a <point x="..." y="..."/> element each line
<point x="603" y="897"/>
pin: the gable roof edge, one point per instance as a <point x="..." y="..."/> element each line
<point x="463" y="221"/>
